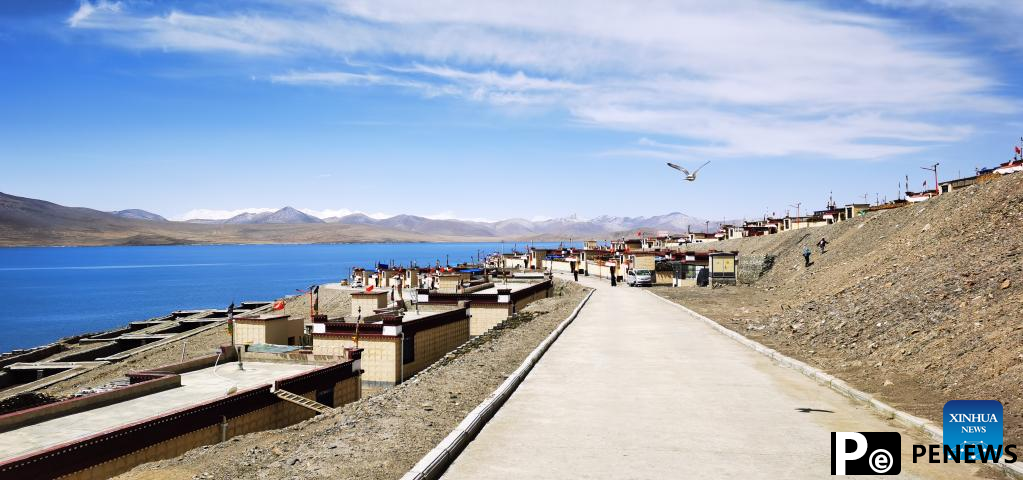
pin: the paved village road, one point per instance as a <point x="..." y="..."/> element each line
<point x="638" y="388"/>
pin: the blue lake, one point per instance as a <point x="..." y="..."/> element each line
<point x="49" y="293"/>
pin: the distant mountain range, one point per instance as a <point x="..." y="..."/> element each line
<point x="516" y="227"/>
<point x="27" y="221"/>
<point x="285" y="216"/>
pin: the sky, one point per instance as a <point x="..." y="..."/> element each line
<point x="490" y="110"/>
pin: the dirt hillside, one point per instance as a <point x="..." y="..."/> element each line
<point x="920" y="304"/>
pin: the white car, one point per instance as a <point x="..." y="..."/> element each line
<point x="637" y="278"/>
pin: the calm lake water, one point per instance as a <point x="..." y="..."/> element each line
<point x="49" y="293"/>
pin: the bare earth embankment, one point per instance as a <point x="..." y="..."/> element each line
<point x="917" y="305"/>
<point x="382" y="436"/>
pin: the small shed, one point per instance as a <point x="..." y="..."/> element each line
<point x="269" y="328"/>
<point x="722" y="267"/>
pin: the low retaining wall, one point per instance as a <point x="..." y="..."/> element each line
<point x="433" y="465"/>
<point x="32" y="355"/>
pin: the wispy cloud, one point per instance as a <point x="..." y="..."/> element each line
<point x="214" y="214"/>
<point x="722" y="79"/>
<point x="341" y="212"/>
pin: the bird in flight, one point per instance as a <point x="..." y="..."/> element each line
<point x="689" y="176"/>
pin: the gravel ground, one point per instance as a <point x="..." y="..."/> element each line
<point x="382" y="436"/>
<point x="333" y="303"/>
<point x="917" y="305"/>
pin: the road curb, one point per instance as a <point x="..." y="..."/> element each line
<point x="925" y="427"/>
<point x="434" y="463"/>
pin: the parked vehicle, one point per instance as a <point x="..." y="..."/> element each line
<point x="638" y="278"/>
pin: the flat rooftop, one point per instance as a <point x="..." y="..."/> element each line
<point x="513" y="286"/>
<point x="196" y="387"/>
<point x="409" y="315"/>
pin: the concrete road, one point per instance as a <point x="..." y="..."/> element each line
<point x="637" y="388"/>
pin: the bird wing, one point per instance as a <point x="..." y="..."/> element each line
<point x="676" y="167"/>
<point x="701" y="166"/>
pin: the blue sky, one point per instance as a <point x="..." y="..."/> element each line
<point x="492" y="110"/>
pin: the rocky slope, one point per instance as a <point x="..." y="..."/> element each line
<point x="919" y="305"/>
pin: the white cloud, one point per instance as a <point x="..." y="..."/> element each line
<point x="724" y="79"/>
<point x="213" y="214"/>
<point x="86" y="9"/>
<point x="449" y="215"/>
<point x="340" y="212"/>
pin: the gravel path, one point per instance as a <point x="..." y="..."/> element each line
<point x="380" y="437"/>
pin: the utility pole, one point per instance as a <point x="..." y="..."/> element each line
<point x="934" y="168"/>
<point x="796" y="206"/>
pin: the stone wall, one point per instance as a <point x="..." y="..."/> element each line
<point x="749" y="268"/>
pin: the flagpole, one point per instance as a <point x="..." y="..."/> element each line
<point x="357" y="322"/>
<point x="230" y="327"/>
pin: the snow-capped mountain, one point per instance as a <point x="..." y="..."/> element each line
<point x="601" y="227"/>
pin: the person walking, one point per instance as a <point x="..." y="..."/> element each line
<point x="806" y="256"/>
<point x="575" y="270"/>
<point x="823" y="243"/>
<point x="614" y="279"/>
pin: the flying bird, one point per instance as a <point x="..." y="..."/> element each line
<point x="689" y="176"/>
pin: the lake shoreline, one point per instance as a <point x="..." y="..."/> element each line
<point x="54" y="293"/>
<point x="355" y="242"/>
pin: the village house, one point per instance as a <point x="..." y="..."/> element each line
<point x="165" y="412"/>
<point x="396" y="344"/>
<point x="268" y="328"/>
<point x="854" y="210"/>
<point x="700" y="237"/>
<point x="808" y="221"/>
<point x="945" y="187"/>
<point x="488" y="306"/>
<point x="760" y="228"/>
